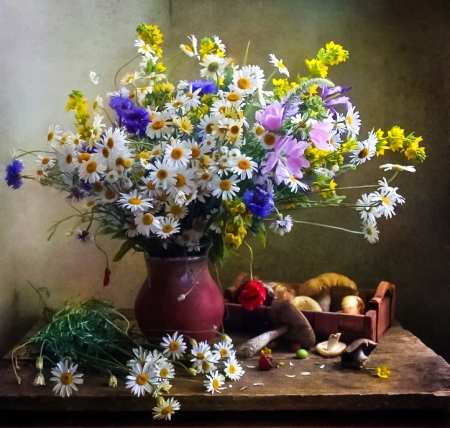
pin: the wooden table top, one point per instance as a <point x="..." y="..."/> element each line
<point x="419" y="380"/>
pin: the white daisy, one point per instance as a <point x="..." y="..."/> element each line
<point x="178" y="103"/>
<point x="207" y="365"/>
<point x="165" y="408"/>
<point x="176" y="154"/>
<point x="386" y="188"/>
<point x="214" y="67"/>
<point x="93" y="169"/>
<point x="141" y="357"/>
<point x="160" y="126"/>
<point x="200" y="351"/>
<point x="163" y="370"/>
<point x="45" y="161"/>
<point x="352" y="121"/>
<point x="64" y="374"/>
<point x="53" y="135"/>
<point x="193" y="98"/>
<point x="219" y="44"/>
<point x="146" y="223"/>
<point x="188" y="50"/>
<point x="144" y="48"/>
<point x="140" y="380"/>
<point x="174" y="346"/>
<point x="244" y="167"/>
<point x="113" y="139"/>
<point x="386" y="202"/>
<point x="168" y="226"/>
<point x="396" y="167"/>
<point x="98" y="103"/>
<point x="134" y="201"/>
<point x="370" y="232"/>
<point x="225" y="188"/>
<point x="176" y="211"/>
<point x="279" y="64"/>
<point x="247" y="80"/>
<point x="89" y="202"/>
<point x="184" y="182"/>
<point x="214" y="382"/>
<point x="233" y="370"/>
<point x="162" y="174"/>
<point x="365" y="151"/>
<point x="224" y="349"/>
<point x="130" y="78"/>
<point x="367" y="207"/>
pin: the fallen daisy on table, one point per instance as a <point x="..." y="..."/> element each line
<point x="165" y="408"/>
<point x="64" y="374"/>
<point x="139" y="379"/>
<point x="214" y="382"/>
<point x="233" y="369"/>
<point x="174" y="346"/>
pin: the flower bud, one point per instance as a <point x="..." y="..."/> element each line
<point x="39" y="380"/>
<point x="192" y="371"/>
<point x="39" y="363"/>
<point x="112" y="381"/>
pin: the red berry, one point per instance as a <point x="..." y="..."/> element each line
<point x="265" y="362"/>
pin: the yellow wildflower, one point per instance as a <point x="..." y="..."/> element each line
<point x="335" y="53"/>
<point x="383" y="372"/>
<point x="328" y="190"/>
<point x="317" y="68"/>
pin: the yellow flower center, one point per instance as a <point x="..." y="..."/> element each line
<point x="177" y="153"/>
<point x="385" y="200"/>
<point x="167" y="410"/>
<point x="213" y="67"/>
<point x="177" y="104"/>
<point x="151" y="186"/>
<point x="98" y="187"/>
<point x="119" y="161"/>
<point x="259" y="131"/>
<point x="83" y="157"/>
<point x="174" y="346"/>
<point x="110" y="143"/>
<point x="243" y="83"/>
<point x="232" y="369"/>
<point x="223" y="352"/>
<point x="142" y="379"/>
<point x="39" y="172"/>
<point x="243" y="164"/>
<point x="66" y="378"/>
<point x="45" y="161"/>
<point x="105" y="152"/>
<point x="167" y="229"/>
<point x="69" y="158"/>
<point x="363" y="153"/>
<point x="195" y="152"/>
<point x="147" y="219"/>
<point x="200" y="355"/>
<point x="163" y="372"/>
<point x="269" y="139"/>
<point x="235" y="129"/>
<point x="188" y="48"/>
<point x="209" y="128"/>
<point x="91" y="167"/>
<point x="225" y="185"/>
<point x="180" y="180"/>
<point x="110" y="194"/>
<point x="280" y="64"/>
<point x="175" y="210"/>
<point x="162" y="174"/>
<point x="50" y="136"/>
<point x="215" y="383"/>
<point x="233" y="97"/>
<point x="349" y="120"/>
<point x="135" y="201"/>
<point x="157" y="124"/>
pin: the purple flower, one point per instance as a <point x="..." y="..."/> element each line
<point x="331" y="97"/>
<point x="206" y="86"/>
<point x="259" y="202"/>
<point x="136" y="120"/>
<point x="320" y="134"/>
<point x="83" y="235"/>
<point x="13" y="177"/>
<point x="286" y="158"/>
<point x="271" y="117"/>
<point x="120" y="104"/>
<point x="290" y="104"/>
<point x="75" y="194"/>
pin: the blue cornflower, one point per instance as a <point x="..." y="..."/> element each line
<point x="13" y="177"/>
<point x="120" y="104"/>
<point x="206" y="86"/>
<point x="259" y="202"/>
<point x="136" y="120"/>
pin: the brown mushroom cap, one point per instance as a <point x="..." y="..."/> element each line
<point x="356" y="354"/>
<point x="300" y="331"/>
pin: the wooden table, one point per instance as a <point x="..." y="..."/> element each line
<point x="419" y="385"/>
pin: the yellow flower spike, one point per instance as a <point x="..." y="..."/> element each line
<point x="383" y="372"/>
<point x="317" y="68"/>
<point x="266" y="350"/>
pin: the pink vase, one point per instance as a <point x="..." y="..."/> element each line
<point x="179" y="294"/>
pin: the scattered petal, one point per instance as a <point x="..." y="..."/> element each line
<point x="322" y="366"/>
<point x="291" y="363"/>
<point x="241" y="389"/>
<point x="305" y="373"/>
<point x="251" y="367"/>
<point x="290" y="375"/>
<point x="258" y="384"/>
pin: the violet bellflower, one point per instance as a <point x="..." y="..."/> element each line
<point x="286" y="158"/>
<point x="13" y="177"/>
<point x="331" y="97"/>
<point x="259" y="202"/>
<point x="271" y="117"/>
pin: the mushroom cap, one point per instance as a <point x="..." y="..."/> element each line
<point x="282" y="290"/>
<point x="305" y="303"/>
<point x="300" y="331"/>
<point x="353" y="305"/>
<point x="357" y="353"/>
<point x="333" y="284"/>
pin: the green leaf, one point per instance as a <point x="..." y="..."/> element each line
<point x="126" y="246"/>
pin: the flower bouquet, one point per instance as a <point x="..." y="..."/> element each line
<point x="194" y="167"/>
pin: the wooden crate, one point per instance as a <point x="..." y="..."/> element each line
<point x="379" y="316"/>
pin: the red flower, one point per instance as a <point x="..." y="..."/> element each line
<point x="252" y="295"/>
<point x="265" y="362"/>
<point x="106" y="277"/>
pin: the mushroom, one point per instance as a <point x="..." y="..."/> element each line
<point x="331" y="347"/>
<point x="289" y="322"/>
<point x="328" y="290"/>
<point x="352" y="305"/>
<point x="282" y="291"/>
<point x="357" y="353"/>
<point x="305" y="303"/>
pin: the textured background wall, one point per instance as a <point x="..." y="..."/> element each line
<point x="398" y="66"/>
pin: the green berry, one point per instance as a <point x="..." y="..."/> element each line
<point x="302" y="354"/>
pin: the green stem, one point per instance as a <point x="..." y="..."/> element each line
<point x="329" y="227"/>
<point x="251" y="260"/>
<point x="123" y="66"/>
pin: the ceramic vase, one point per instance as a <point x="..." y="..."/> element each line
<point x="179" y="294"/>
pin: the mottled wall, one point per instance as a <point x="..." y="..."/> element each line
<point x="398" y="67"/>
